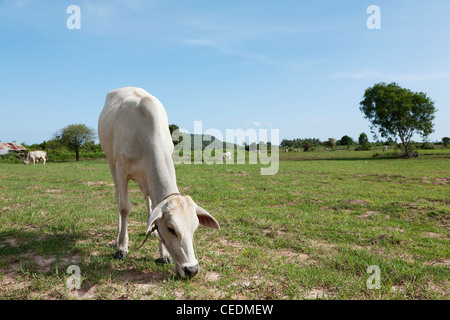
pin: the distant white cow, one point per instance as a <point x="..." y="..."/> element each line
<point x="35" y="156"/>
<point x="385" y="148"/>
<point x="133" y="130"/>
<point x="226" y="155"/>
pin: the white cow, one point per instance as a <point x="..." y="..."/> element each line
<point x="134" y="133"/>
<point x="226" y="155"/>
<point x="36" y="156"/>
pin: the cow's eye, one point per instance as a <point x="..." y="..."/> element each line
<point x="172" y="231"/>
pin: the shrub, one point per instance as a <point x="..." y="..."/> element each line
<point x="307" y="146"/>
<point x="427" y="146"/>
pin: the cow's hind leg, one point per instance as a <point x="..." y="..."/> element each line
<point x="124" y="206"/>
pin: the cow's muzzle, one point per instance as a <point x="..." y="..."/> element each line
<point x="189" y="272"/>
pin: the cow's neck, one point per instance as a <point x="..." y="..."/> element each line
<point x="162" y="183"/>
<point x="162" y="191"/>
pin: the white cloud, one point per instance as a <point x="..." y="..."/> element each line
<point x="256" y="123"/>
<point x="199" y="42"/>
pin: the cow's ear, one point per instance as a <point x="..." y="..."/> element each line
<point x="205" y="219"/>
<point x="154" y="216"/>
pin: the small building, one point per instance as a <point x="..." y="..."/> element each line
<point x="6" y="147"/>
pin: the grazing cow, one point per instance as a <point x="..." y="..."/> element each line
<point x="385" y="148"/>
<point x="36" y="156"/>
<point x="226" y="155"/>
<point x="133" y="130"/>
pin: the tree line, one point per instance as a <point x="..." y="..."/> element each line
<point x="393" y="112"/>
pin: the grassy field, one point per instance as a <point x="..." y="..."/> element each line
<point x="308" y="232"/>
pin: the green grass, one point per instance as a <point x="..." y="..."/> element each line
<point x="309" y="231"/>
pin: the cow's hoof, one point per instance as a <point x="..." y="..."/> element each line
<point x="165" y="260"/>
<point x="120" y="254"/>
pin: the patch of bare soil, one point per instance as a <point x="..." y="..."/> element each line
<point x="357" y="201"/>
<point x="15" y="205"/>
<point x="99" y="183"/>
<point x="442" y="263"/>
<point x="438" y="181"/>
<point x="41" y="263"/>
<point x="323" y="245"/>
<point x="433" y="235"/>
<point x="212" y="276"/>
<point x="53" y="191"/>
<point x="318" y="293"/>
<point x="369" y="214"/>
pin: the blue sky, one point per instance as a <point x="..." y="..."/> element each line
<point x="297" y="66"/>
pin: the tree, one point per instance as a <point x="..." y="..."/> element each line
<point x="74" y="136"/>
<point x="172" y="128"/>
<point x="445" y="141"/>
<point x="395" y="111"/>
<point x="346" y="141"/>
<point x="363" y="140"/>
<point x="307" y="145"/>
<point x="330" y="143"/>
<point x="286" y="143"/>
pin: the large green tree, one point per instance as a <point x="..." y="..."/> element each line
<point x="363" y="139"/>
<point x="394" y="112"/>
<point x="346" y="141"/>
<point x="74" y="136"/>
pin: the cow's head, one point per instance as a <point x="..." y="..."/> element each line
<point x="26" y="162"/>
<point x="176" y="220"/>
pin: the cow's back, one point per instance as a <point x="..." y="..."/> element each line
<point x="37" y="154"/>
<point x="133" y="124"/>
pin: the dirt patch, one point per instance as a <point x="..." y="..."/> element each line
<point x="442" y="263"/>
<point x="438" y="181"/>
<point x="99" y="183"/>
<point x="433" y="235"/>
<point x="441" y="181"/>
<point x="212" y="276"/>
<point x="362" y="202"/>
<point x="53" y="191"/>
<point x="41" y="263"/>
<point x="291" y="255"/>
<point x="369" y="214"/>
<point x="318" y="293"/>
<point x="15" y="205"/>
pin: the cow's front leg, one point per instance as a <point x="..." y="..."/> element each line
<point x="164" y="255"/>
<point x="124" y="208"/>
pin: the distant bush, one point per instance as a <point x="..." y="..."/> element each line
<point x="10" y="158"/>
<point x="67" y="156"/>
<point x="363" y="147"/>
<point x="427" y="146"/>
<point x="445" y="141"/>
<point x="307" y="146"/>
